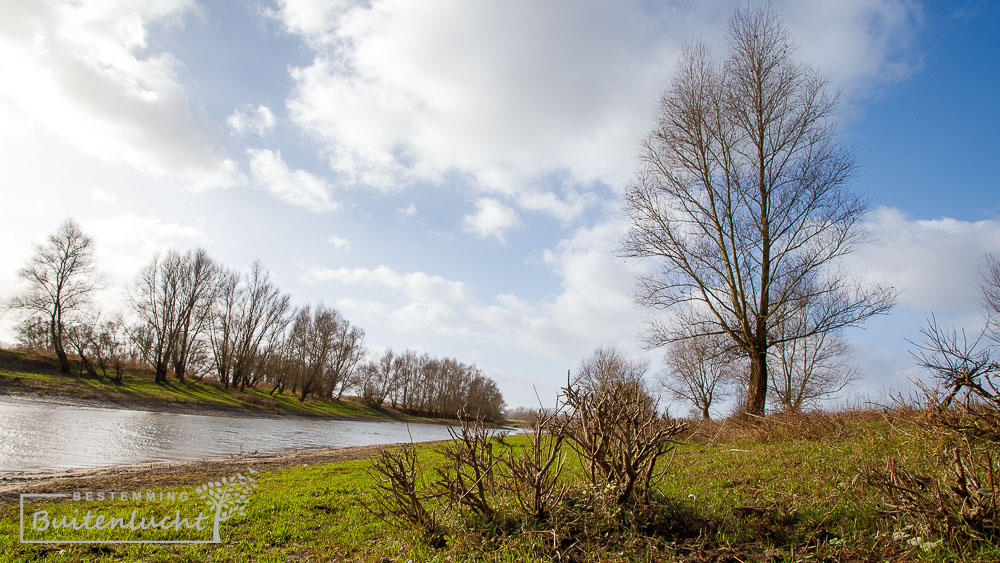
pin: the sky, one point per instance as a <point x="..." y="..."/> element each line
<point x="448" y="174"/>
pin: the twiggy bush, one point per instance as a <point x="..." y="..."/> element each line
<point x="614" y="425"/>
<point x="533" y="472"/>
<point x="962" y="414"/>
<point x="398" y="498"/>
<point x="469" y="478"/>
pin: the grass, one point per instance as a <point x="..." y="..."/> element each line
<point x="777" y="494"/>
<point x="33" y="375"/>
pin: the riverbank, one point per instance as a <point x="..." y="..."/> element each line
<point x="36" y="377"/>
<point x="172" y="473"/>
<point x="784" y="491"/>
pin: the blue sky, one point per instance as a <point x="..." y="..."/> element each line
<point x="447" y="174"/>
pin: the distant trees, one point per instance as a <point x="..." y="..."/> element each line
<point x="250" y="313"/>
<point x="741" y="202"/>
<point x="700" y="371"/>
<point x="172" y="298"/>
<point x="190" y="316"/>
<point x="808" y="369"/>
<point x="61" y="278"/>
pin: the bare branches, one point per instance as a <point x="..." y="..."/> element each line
<point x="740" y="199"/>
<point x="613" y="424"/>
<point x="699" y="370"/>
<point x="61" y="278"/>
<point x="398" y="498"/>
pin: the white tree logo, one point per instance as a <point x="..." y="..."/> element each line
<point x="228" y="497"/>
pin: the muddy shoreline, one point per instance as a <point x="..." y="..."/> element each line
<point x="143" y="476"/>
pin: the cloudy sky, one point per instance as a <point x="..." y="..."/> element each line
<point x="448" y="173"/>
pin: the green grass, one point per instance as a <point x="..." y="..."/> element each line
<point x="37" y="376"/>
<point x="771" y="498"/>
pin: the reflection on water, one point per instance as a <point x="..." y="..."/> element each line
<point x="37" y="436"/>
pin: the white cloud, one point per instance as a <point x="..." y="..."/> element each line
<point x="259" y="120"/>
<point x="934" y="263"/>
<point x="81" y="70"/>
<point x="514" y="94"/>
<point x="408" y="211"/>
<point x="491" y="219"/>
<point x="340" y="243"/>
<point x="417" y="286"/>
<point x="295" y="187"/>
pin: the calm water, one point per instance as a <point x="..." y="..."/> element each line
<point x="37" y="437"/>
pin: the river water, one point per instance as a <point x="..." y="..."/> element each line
<point x="37" y="437"/>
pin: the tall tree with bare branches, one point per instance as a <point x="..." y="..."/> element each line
<point x="61" y="278"/>
<point x="741" y="201"/>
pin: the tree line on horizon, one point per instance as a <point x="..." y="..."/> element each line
<point x="189" y="316"/>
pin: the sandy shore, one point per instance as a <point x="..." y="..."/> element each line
<point x="170" y="473"/>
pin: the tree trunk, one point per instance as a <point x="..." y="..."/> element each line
<point x="179" y="369"/>
<point x="757" y="390"/>
<point x="58" y="347"/>
<point x="161" y="373"/>
<point x="704" y="413"/>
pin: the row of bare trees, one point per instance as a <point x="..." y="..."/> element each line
<point x="190" y="316"/>
<point x="421" y="384"/>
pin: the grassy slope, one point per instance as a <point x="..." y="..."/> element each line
<point x="790" y="496"/>
<point x="37" y="376"/>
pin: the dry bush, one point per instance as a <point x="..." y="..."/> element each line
<point x="398" y="498"/>
<point x="961" y="414"/>
<point x="469" y="478"/>
<point x="532" y="473"/>
<point x="961" y="503"/>
<point x="618" y="433"/>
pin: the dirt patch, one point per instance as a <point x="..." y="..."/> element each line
<point x="172" y="473"/>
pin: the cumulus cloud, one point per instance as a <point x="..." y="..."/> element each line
<point x="84" y="72"/>
<point x="512" y="95"/>
<point x="295" y="187"/>
<point x="491" y="219"/>
<point x="933" y="263"/>
<point x="258" y="120"/>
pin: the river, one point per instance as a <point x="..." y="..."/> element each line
<point x="38" y="437"/>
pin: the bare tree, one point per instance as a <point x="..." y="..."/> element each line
<point x="741" y="200"/>
<point x="698" y="370"/>
<point x="196" y="296"/>
<point x="172" y="297"/>
<point x="249" y="312"/>
<point x="806" y="370"/>
<point x="61" y="278"/>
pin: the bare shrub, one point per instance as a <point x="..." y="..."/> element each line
<point x="469" y="477"/>
<point x="963" y="414"/>
<point x="967" y="400"/>
<point x="614" y="425"/>
<point x="397" y="498"/>
<point x="961" y="503"/>
<point x="533" y="472"/>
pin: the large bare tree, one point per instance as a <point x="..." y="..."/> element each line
<point x="61" y="278"/>
<point x="741" y="201"/>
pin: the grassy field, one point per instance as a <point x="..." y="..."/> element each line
<point x="36" y="376"/>
<point x="788" y="492"/>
